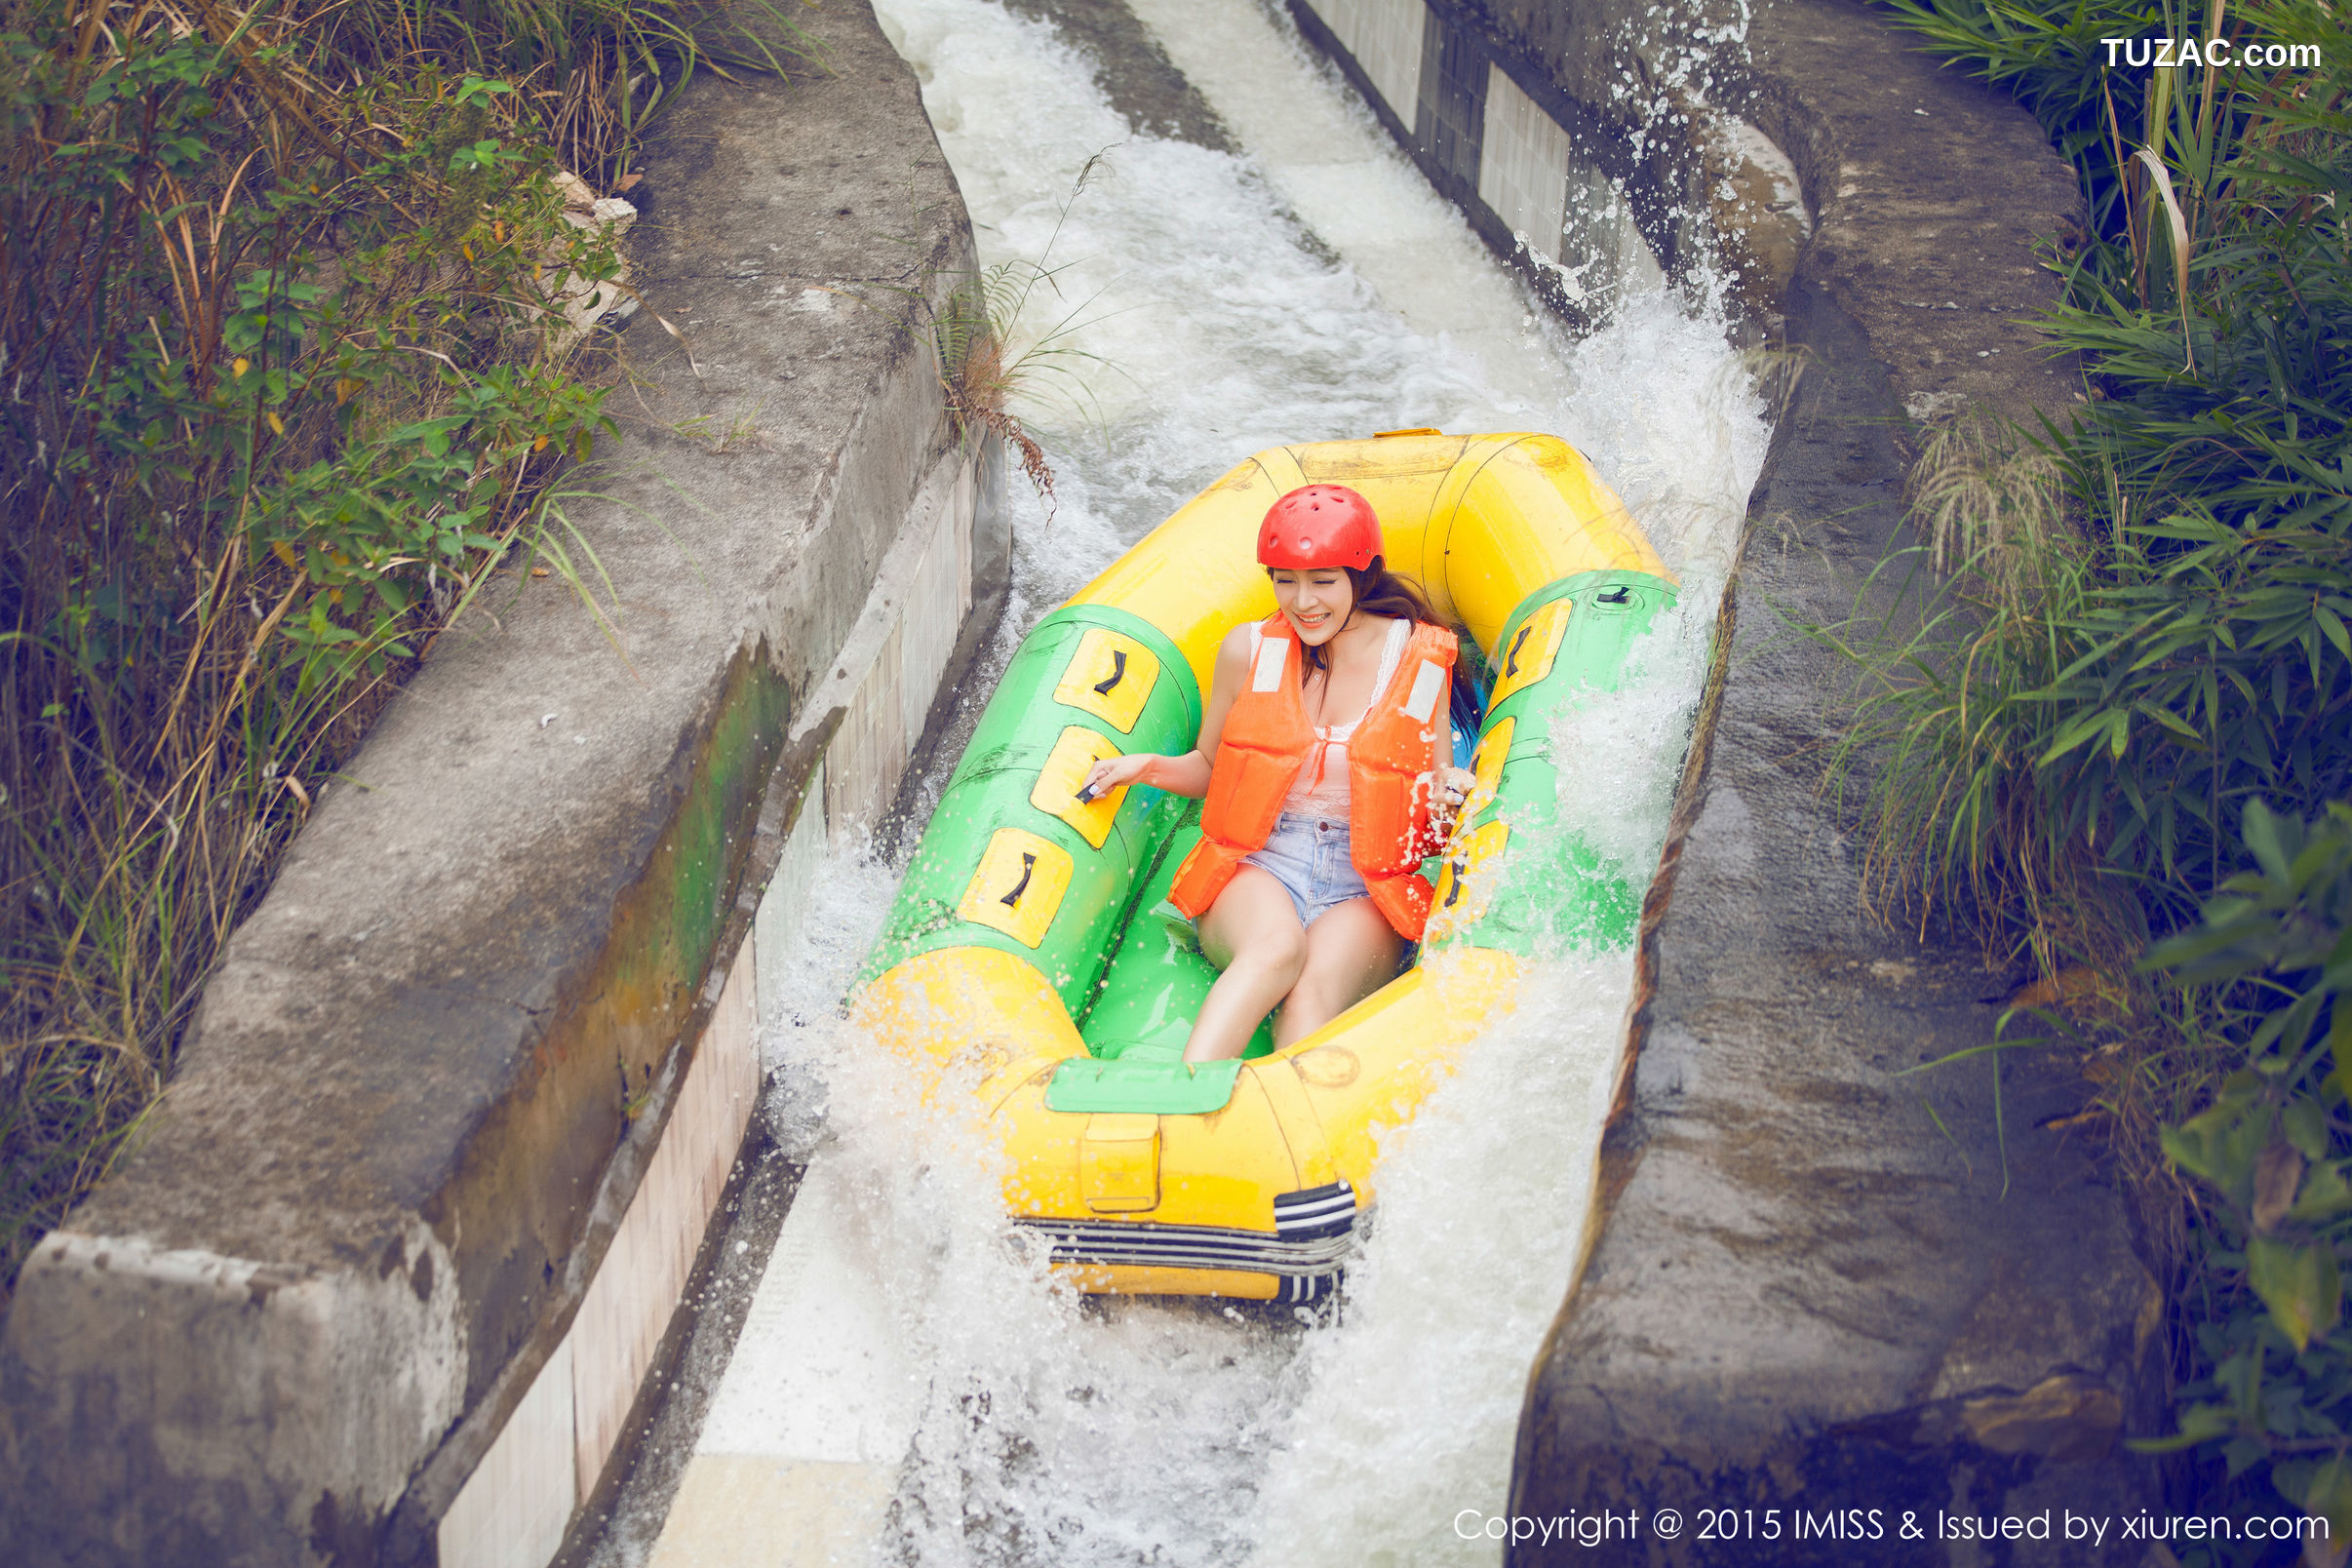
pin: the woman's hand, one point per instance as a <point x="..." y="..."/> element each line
<point x="1449" y="787"/>
<point x="1112" y="772"/>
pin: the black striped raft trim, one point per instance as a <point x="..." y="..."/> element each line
<point x="1315" y="1211"/>
<point x="1314" y="1232"/>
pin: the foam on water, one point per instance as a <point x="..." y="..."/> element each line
<point x="1053" y="1428"/>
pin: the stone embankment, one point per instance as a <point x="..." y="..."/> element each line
<point x="405" y="1241"/>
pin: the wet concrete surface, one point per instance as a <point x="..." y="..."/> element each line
<point x="1132" y="70"/>
<point x="1140" y="81"/>
<point x="1933" y="195"/>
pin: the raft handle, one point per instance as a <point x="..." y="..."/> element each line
<point x="1512" y="665"/>
<point x="1119" y="673"/>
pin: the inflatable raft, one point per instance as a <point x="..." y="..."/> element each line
<point x="1030" y="971"/>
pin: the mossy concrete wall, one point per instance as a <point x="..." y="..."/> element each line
<point x="380" y="1277"/>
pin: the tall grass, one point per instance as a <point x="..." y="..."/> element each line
<point x="287" y="375"/>
<point x="2133" y="663"/>
<point x="2141" y="623"/>
<point x="994" y="347"/>
<point x="2268" y="1391"/>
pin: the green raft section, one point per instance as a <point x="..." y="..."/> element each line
<point x="1546" y="891"/>
<point x="1008" y="860"/>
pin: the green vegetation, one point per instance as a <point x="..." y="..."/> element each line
<point x="2272" y="1375"/>
<point x="2132" y="688"/>
<point x="992" y="348"/>
<point x="289" y="330"/>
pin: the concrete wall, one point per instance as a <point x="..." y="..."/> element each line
<point x="1592" y="164"/>
<point x="383" y="1277"/>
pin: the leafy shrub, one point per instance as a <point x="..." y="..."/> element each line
<point x="2140" y="644"/>
<point x="2274" y="1153"/>
<point x="287" y="375"/>
<point x="2128" y="654"/>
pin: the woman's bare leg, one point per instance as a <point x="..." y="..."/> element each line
<point x="1352" y="952"/>
<point x="1252" y="930"/>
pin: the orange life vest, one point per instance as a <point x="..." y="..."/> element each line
<point x="1266" y="740"/>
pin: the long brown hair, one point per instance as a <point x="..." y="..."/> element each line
<point x="1378" y="592"/>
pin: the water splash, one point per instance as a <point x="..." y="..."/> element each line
<point x="1048" y="1428"/>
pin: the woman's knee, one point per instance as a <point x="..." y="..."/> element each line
<point x="1252" y="923"/>
<point x="1327" y="990"/>
<point x="1278" y="947"/>
<point x="1350" y="953"/>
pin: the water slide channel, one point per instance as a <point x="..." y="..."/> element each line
<point x="907" y="1386"/>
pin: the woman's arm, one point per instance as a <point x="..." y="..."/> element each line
<point x="1189" y="773"/>
<point x="1448" y="786"/>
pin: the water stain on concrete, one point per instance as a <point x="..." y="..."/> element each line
<point x="1132" y="70"/>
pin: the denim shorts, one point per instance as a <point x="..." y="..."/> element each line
<point x="1308" y="856"/>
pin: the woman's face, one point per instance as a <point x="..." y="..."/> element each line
<point x="1315" y="601"/>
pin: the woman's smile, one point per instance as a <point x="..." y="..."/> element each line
<point x="1317" y="609"/>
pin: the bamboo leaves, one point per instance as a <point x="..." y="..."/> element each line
<point x="2299" y="1285"/>
<point x="2277" y="943"/>
<point x="2162" y="178"/>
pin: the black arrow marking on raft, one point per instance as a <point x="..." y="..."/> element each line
<point x="1518" y="643"/>
<point x="1453" y="889"/>
<point x="1119" y="673"/>
<point x="1029" y="866"/>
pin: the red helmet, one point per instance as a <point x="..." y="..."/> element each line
<point x="1320" y="525"/>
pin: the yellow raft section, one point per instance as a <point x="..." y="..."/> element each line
<point x="1479" y="522"/>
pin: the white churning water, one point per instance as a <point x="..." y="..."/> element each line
<point x="1011" y="1421"/>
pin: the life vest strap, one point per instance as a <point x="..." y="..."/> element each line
<point x="1204" y="876"/>
<point x="1406" y="901"/>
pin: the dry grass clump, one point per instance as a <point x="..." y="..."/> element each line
<point x="979" y="382"/>
<point x="991" y="351"/>
<point x="1979" y="494"/>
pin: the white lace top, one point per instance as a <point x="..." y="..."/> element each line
<point x="1321" y="787"/>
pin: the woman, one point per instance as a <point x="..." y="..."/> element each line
<point x="1323" y="757"/>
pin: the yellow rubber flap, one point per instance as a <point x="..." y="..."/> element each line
<point x="1065" y="770"/>
<point x="1019" y="885"/>
<point x="1493" y="752"/>
<point x="1110" y="676"/>
<point x="1468" y="882"/>
<point x="1528" y="655"/>
<point x="1119" y="1162"/>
